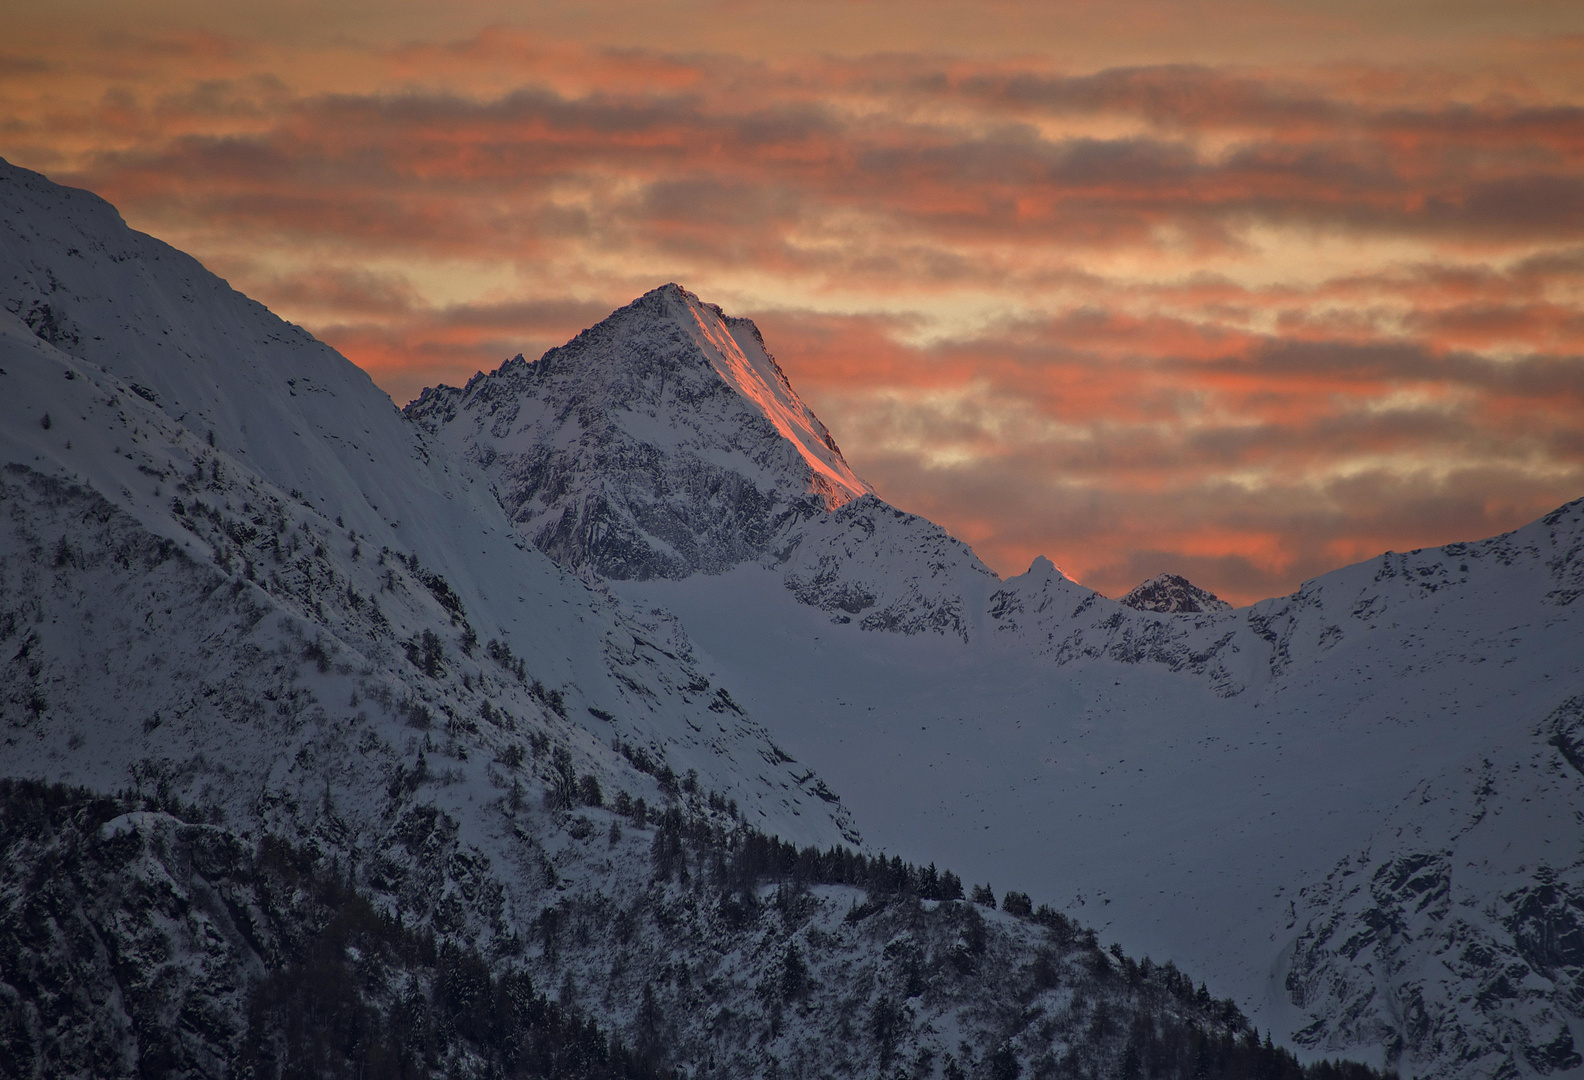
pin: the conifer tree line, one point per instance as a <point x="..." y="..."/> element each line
<point x="347" y="989"/>
<point x="735" y="861"/>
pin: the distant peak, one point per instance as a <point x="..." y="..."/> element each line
<point x="735" y="349"/>
<point x="662" y="441"/>
<point x="1172" y="594"/>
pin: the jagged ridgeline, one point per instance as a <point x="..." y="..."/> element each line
<point x="138" y="938"/>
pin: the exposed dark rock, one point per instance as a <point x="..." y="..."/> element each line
<point x="1172" y="594"/>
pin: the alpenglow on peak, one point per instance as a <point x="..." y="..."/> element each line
<point x="663" y="441"/>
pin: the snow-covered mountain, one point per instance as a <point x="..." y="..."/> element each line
<point x="666" y="441"/>
<point x="663" y="441"/>
<point x="1199" y="781"/>
<point x="356" y="771"/>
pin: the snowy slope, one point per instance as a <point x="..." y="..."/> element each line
<point x="1182" y="797"/>
<point x="201" y="375"/>
<point x="1184" y="774"/>
<point x="265" y="703"/>
<point x="243" y="592"/>
<point x="884" y="569"/>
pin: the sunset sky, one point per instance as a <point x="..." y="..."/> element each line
<point x="1240" y="290"/>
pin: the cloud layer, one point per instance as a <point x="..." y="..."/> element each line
<point x="1243" y="323"/>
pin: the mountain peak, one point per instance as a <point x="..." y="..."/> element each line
<point x="734" y="349"/>
<point x="662" y="441"/>
<point x="1172" y="594"/>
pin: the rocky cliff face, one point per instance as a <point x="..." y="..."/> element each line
<point x="1455" y="938"/>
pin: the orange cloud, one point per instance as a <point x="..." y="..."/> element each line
<point x="1240" y="322"/>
